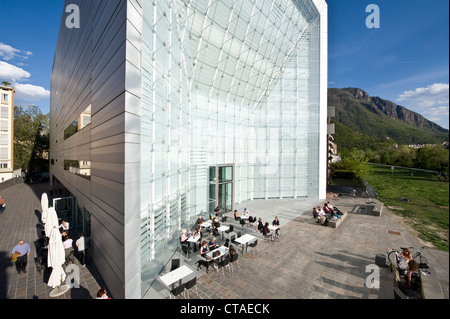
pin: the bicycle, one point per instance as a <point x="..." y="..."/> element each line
<point x="422" y="261"/>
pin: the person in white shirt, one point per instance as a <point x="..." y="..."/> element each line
<point x="80" y="243"/>
<point x="64" y="225"/>
<point x="67" y="243"/>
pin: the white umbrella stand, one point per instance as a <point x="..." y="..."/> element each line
<point x="44" y="207"/>
<point x="56" y="259"/>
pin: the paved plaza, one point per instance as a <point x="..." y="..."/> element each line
<point x="309" y="261"/>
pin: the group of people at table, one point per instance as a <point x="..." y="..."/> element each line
<point x="213" y="226"/>
<point x="321" y="213"/>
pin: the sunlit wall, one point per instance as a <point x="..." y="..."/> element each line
<point x="229" y="81"/>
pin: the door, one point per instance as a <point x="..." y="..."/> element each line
<point x="225" y="187"/>
<point x="65" y="208"/>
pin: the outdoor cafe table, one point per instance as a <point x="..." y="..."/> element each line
<point x="194" y="240"/>
<point x="244" y="240"/>
<point x="176" y="275"/>
<point x="206" y="224"/>
<point x="223" y="229"/>
<point x="223" y="251"/>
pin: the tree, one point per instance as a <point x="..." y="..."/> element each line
<point x="30" y="137"/>
<point x="5" y="83"/>
<point x="353" y="165"/>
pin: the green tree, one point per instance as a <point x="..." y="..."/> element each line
<point x="434" y="158"/>
<point x="353" y="164"/>
<point x="30" y="136"/>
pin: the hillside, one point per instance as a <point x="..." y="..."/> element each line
<point x="366" y="119"/>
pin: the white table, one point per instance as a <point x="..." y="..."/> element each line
<point x="206" y="224"/>
<point x="223" y="229"/>
<point x="223" y="251"/>
<point x="176" y="275"/>
<point x="194" y="241"/>
<point x="244" y="240"/>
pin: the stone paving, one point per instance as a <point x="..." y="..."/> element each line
<point x="309" y="261"/>
<point x="21" y="221"/>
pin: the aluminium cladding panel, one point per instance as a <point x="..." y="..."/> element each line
<point x="92" y="65"/>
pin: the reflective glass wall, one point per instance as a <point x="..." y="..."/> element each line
<point x="224" y="82"/>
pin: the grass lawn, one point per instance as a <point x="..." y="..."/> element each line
<point x="427" y="210"/>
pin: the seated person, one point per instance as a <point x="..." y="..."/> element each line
<point x="236" y="215"/>
<point x="412" y="270"/>
<point x="183" y="236"/>
<point x="259" y="225"/>
<point x="314" y="212"/>
<point x="403" y="258"/>
<point x="232" y="251"/>
<point x="199" y="221"/>
<point x="267" y="232"/>
<point x="276" y="222"/>
<point x="213" y="244"/>
<point x="245" y="214"/>
<point x="197" y="233"/>
<point x="326" y="209"/>
<point x="323" y="219"/>
<point x="204" y="249"/>
<point x="337" y="211"/>
<point x="217" y="211"/>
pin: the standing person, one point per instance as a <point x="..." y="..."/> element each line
<point x="24" y="250"/>
<point x="2" y="205"/>
<point x="80" y="243"/>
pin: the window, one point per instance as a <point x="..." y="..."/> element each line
<point x="4" y="153"/>
<point x="80" y="168"/>
<point x="4" y="126"/>
<point x="4" y="112"/>
<point x="4" y="98"/>
<point x="4" y="139"/>
<point x="81" y="122"/>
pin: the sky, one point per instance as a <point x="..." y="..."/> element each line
<point x="404" y="60"/>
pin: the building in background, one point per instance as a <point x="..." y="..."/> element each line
<point x="6" y="133"/>
<point x="191" y="104"/>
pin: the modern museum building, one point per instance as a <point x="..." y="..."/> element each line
<point x="162" y="110"/>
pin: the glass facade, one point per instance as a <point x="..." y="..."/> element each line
<point x="229" y="83"/>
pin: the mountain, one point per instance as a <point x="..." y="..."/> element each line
<point x="377" y="120"/>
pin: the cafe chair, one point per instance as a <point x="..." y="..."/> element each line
<point x="189" y="285"/>
<point x="177" y="291"/>
<point x="224" y="219"/>
<point x="234" y="259"/>
<point x="224" y="263"/>
<point x="230" y="230"/>
<point x="243" y="223"/>
<point x="175" y="264"/>
<point x="185" y="248"/>
<point x="253" y="246"/>
<point x="227" y="243"/>
<point x="232" y="239"/>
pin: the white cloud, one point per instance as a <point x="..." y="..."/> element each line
<point x="7" y="52"/>
<point x="433" y="95"/>
<point x="29" y="92"/>
<point x="431" y="101"/>
<point x="9" y="72"/>
<point x="23" y="92"/>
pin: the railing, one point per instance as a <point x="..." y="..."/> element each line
<point x="11" y="182"/>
